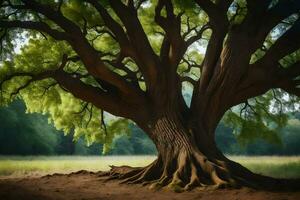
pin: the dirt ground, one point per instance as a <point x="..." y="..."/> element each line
<point x="90" y="186"/>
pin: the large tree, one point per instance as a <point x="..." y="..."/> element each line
<point x="132" y="58"/>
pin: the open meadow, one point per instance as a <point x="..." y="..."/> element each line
<point x="33" y="166"/>
<point x="23" y="178"/>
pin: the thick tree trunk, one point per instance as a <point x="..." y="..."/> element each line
<point x="188" y="156"/>
<point x="184" y="163"/>
<point x="180" y="165"/>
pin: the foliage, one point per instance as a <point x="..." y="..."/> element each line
<point x="66" y="112"/>
<point x="288" y="145"/>
<point x="30" y="134"/>
<point x="261" y="117"/>
<point x="137" y="143"/>
<point x="41" y="53"/>
<point x="21" y="134"/>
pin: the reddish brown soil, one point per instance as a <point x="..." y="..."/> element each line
<point x="89" y="186"/>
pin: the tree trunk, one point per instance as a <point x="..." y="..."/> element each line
<point x="183" y="163"/>
<point x="180" y="165"/>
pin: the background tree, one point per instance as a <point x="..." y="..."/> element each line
<point x="31" y="134"/>
<point x="131" y="58"/>
<point x="21" y="134"/>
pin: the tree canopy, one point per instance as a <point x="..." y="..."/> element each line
<point x="57" y="38"/>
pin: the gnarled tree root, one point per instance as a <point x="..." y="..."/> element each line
<point x="180" y="172"/>
<point x="189" y="170"/>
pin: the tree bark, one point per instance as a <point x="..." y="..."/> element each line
<point x="180" y="163"/>
<point x="189" y="158"/>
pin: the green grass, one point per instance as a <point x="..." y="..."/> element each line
<point x="275" y="166"/>
<point x="17" y="166"/>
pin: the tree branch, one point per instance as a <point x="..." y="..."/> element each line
<point x="96" y="96"/>
<point x="87" y="53"/>
<point x="282" y="10"/>
<point x="290" y="72"/>
<point x="53" y="15"/>
<point x="38" y="26"/>
<point x="91" y="94"/>
<point x="260" y="20"/>
<point x="127" y="94"/>
<point x="260" y="80"/>
<point x="217" y="13"/>
<point x="285" y="45"/>
<point x="148" y="61"/>
<point x="173" y="46"/>
<point x="188" y="79"/>
<point x="198" y="35"/>
<point x="115" y="27"/>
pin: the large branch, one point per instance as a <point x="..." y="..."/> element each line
<point x="34" y="76"/>
<point x="260" y="20"/>
<point x="38" y="26"/>
<point x="290" y="79"/>
<point x="94" y="95"/>
<point x="212" y="55"/>
<point x="256" y="11"/>
<point x="53" y="15"/>
<point x="81" y="46"/>
<point x="292" y="71"/>
<point x="115" y="28"/>
<point x="219" y="24"/>
<point x="101" y="99"/>
<point x="218" y="21"/>
<point x="138" y="38"/>
<point x="285" y="45"/>
<point x="259" y="80"/>
<point x="95" y="68"/>
<point x="217" y="12"/>
<point x="282" y="10"/>
<point x="209" y="7"/>
<point x="173" y="46"/>
<point x="266" y="73"/>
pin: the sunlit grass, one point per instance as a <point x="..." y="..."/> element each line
<point x="275" y="166"/>
<point x="17" y="166"/>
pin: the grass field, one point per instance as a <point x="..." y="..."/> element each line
<point x="16" y="166"/>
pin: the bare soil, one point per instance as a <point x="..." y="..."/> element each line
<point x="85" y="185"/>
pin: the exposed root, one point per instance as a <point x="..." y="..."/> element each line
<point x="183" y="172"/>
<point x="186" y="170"/>
<point x="121" y="172"/>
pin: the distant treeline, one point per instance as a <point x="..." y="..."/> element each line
<point x="30" y="134"/>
